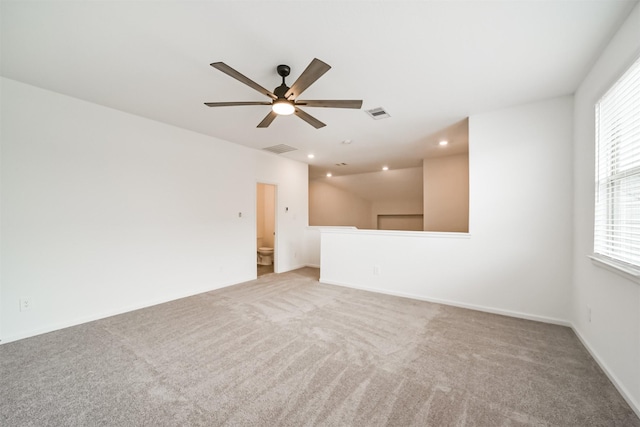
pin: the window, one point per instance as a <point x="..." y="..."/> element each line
<point x="617" y="207"/>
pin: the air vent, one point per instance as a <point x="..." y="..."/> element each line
<point x="341" y="164"/>
<point x="377" y="113"/>
<point x="279" y="149"/>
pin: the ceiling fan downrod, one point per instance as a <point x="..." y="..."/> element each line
<point x="283" y="71"/>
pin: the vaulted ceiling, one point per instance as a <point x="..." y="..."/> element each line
<point x="429" y="64"/>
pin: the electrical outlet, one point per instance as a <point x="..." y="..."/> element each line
<point x="376" y="270"/>
<point x="589" y="314"/>
<point x="25" y="304"/>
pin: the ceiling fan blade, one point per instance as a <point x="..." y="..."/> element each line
<point x="242" y="78"/>
<point x="313" y="72"/>
<point x="235" y="104"/>
<point x="332" y="103"/>
<point x="267" y="120"/>
<point x="309" y="119"/>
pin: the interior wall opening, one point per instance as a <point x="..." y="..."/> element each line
<point x="265" y="228"/>
<point x="432" y="195"/>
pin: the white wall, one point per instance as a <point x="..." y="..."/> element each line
<point x="104" y="212"/>
<point x="613" y="335"/>
<point x="312" y="244"/>
<point x="516" y="259"/>
<point x="292" y="207"/>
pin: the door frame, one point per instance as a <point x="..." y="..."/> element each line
<point x="276" y="268"/>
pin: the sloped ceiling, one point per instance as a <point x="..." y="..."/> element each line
<point x="394" y="184"/>
<point x="430" y="64"/>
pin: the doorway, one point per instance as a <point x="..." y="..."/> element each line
<point x="265" y="228"/>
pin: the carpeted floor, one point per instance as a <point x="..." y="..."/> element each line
<point x="285" y="350"/>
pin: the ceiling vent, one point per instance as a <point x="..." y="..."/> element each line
<point x="341" y="164"/>
<point x="279" y="149"/>
<point x="377" y="113"/>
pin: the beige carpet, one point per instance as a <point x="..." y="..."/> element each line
<point x="285" y="350"/>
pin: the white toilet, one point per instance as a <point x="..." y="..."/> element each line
<point x="265" y="256"/>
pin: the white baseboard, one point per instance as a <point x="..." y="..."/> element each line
<point x="109" y="313"/>
<point x="635" y="406"/>
<point x="293" y="267"/>
<point x="492" y="310"/>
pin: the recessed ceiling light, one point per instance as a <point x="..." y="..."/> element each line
<point x="328" y="174"/>
<point x="311" y="156"/>
<point x="443" y="142"/>
<point x="385" y="168"/>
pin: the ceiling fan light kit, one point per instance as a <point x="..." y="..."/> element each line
<point x="284" y="98"/>
<point x="283" y="107"/>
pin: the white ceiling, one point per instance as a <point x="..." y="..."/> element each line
<point x="430" y="64"/>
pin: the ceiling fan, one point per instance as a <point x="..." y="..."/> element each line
<point x="284" y="99"/>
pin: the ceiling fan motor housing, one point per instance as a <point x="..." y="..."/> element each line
<point x="281" y="90"/>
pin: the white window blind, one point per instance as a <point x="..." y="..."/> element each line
<point x="617" y="208"/>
